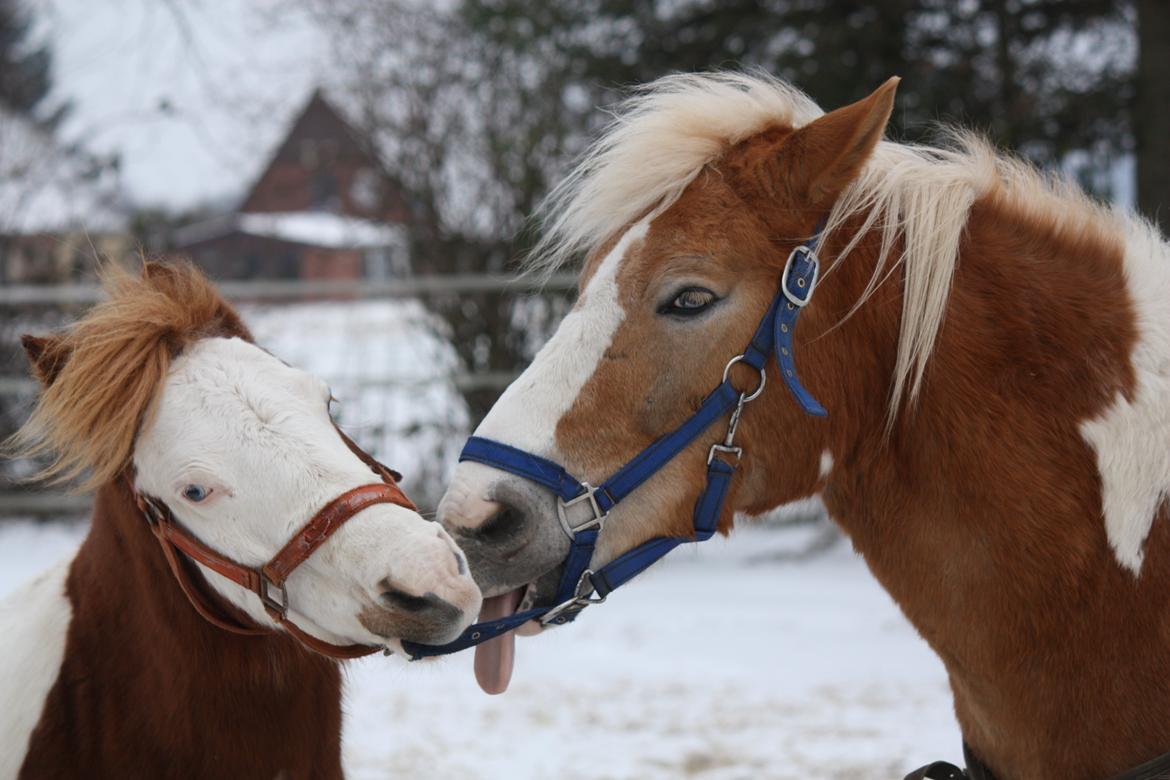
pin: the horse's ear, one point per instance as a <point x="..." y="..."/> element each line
<point x="47" y="356"/>
<point x="819" y="160"/>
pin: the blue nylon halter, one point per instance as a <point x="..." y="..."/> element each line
<point x="581" y="586"/>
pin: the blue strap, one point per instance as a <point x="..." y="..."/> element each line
<point x="522" y="464"/>
<point x="475" y="635"/>
<point x="577" y="561"/>
<point x="631" y="563"/>
<point x="708" y="508"/>
<point x="650" y="461"/>
<point x="795" y="289"/>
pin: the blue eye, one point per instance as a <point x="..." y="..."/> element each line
<point x="196" y="493"/>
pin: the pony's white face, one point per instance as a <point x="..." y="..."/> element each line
<point x="241" y="447"/>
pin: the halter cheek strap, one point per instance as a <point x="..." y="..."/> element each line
<point x="581" y="586"/>
<point x="180" y="548"/>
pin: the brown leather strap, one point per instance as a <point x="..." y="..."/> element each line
<point x="268" y="581"/>
<point x="200" y="601"/>
<point x="323" y="524"/>
<point x="388" y="475"/>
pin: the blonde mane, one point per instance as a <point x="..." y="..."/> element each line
<point x="918" y="197"/>
<point x="104" y="373"/>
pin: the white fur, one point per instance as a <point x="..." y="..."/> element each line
<point x="33" y="625"/>
<point x="257" y="432"/>
<point x="527" y="413"/>
<point x="826" y="465"/>
<point x="1132" y="440"/>
<point x="669" y="130"/>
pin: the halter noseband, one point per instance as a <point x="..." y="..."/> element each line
<point x="268" y="580"/>
<point x="581" y="586"/>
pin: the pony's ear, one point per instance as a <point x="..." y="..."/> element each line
<point x="819" y="160"/>
<point x="47" y="356"/>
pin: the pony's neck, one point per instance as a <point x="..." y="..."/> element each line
<point x="121" y="557"/>
<point x="207" y="700"/>
<point x="980" y="512"/>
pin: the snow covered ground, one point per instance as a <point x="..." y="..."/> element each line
<point x="716" y="665"/>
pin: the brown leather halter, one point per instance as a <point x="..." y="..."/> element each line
<point x="268" y="580"/>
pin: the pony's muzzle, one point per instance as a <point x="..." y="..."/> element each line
<point x="430" y="610"/>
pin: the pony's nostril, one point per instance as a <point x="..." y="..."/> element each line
<point x="460" y="563"/>
<point x="408" y="602"/>
<point x="503" y="525"/>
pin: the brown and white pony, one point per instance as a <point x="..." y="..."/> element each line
<point x="108" y="670"/>
<point x="992" y="347"/>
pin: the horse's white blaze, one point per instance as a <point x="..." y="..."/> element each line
<point x="1132" y="440"/>
<point x="34" y="622"/>
<point x="257" y="432"/>
<point x="527" y="413"/>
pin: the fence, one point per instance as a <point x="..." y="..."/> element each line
<point x="283" y="301"/>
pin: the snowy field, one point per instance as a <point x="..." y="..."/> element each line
<point x="717" y="665"/>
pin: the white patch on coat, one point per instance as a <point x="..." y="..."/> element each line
<point x="826" y="465"/>
<point x="34" y="622"/>
<point x="257" y="432"/>
<point x="527" y="413"/>
<point x="1132" y="440"/>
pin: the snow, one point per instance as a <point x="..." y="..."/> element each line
<point x="333" y="231"/>
<point x="714" y="665"/>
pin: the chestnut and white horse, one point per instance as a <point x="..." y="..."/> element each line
<point x="993" y="350"/>
<point x="163" y="649"/>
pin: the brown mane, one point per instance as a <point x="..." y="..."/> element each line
<point x="107" y="369"/>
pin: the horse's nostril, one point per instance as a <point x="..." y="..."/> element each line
<point x="408" y="602"/>
<point x="503" y="525"/>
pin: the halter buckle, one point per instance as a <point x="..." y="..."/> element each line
<point x="596" y="521"/>
<point x="796" y="298"/>
<point x="567" y="610"/>
<point x="272" y="605"/>
<point x="737" y="452"/>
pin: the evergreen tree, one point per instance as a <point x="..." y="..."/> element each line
<point x="25" y="69"/>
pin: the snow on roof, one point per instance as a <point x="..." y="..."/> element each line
<point x="315" y="228"/>
<point x="44" y="189"/>
<point x="311" y="228"/>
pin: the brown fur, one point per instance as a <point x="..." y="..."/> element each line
<point x="150" y="689"/>
<point x="147" y="687"/>
<point x="979" y="506"/>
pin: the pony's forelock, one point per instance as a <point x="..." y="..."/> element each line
<point x="116" y="360"/>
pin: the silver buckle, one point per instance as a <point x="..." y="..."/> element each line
<point x="596" y="521"/>
<point x="266" y="590"/>
<point x="812" y="284"/>
<point x="730" y="450"/>
<point x="560" y="614"/>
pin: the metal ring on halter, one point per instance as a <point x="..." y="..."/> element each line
<point x="759" y="388"/>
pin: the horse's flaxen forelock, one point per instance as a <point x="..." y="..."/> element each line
<point x="110" y="368"/>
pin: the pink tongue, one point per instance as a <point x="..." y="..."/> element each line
<point x="494" y="658"/>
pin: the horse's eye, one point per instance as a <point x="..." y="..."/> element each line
<point x="689" y="302"/>
<point x="196" y="493"/>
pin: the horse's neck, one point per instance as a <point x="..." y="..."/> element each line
<point x="982" y="513"/>
<point x="121" y="575"/>
<point x="138" y="653"/>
